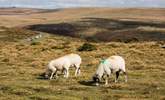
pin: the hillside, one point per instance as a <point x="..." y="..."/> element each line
<point x="97" y="24"/>
<point x="23" y="62"/>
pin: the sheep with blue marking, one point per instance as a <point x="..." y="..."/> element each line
<point x="63" y="64"/>
<point x="113" y="64"/>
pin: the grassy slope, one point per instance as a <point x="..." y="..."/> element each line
<point x="22" y="63"/>
<point x="19" y="17"/>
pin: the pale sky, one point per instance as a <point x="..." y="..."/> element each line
<point x="81" y="3"/>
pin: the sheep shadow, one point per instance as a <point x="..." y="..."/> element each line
<point x="42" y="76"/>
<point x="87" y="83"/>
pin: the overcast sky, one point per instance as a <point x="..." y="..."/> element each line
<point x="81" y="3"/>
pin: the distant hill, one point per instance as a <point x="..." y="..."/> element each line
<point x="94" y="24"/>
<point x="23" y="11"/>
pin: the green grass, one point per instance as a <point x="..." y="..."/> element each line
<point x="21" y="66"/>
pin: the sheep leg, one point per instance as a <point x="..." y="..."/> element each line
<point x="117" y="76"/>
<point x="126" y="78"/>
<point x="66" y="73"/>
<point x="103" y="77"/>
<point x="106" y="80"/>
<point x="52" y="75"/>
<point x="108" y="73"/>
<point x="55" y="74"/>
<point x="77" y="72"/>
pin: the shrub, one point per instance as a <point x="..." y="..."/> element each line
<point x="87" y="47"/>
<point x="35" y="43"/>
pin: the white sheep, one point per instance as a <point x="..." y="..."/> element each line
<point x="113" y="64"/>
<point x="63" y="64"/>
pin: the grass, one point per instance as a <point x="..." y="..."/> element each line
<point x="140" y="34"/>
<point x="22" y="63"/>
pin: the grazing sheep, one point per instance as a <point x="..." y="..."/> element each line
<point x="63" y="64"/>
<point x="106" y="67"/>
